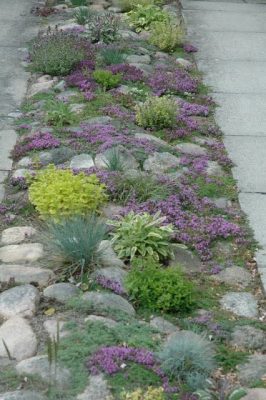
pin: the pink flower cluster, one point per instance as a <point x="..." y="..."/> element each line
<point x="37" y="141"/>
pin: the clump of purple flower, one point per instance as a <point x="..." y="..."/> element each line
<point x="174" y="81"/>
<point x="190" y="48"/>
<point x="37" y="141"/>
<point x="111" y="284"/>
<point x="129" y="72"/>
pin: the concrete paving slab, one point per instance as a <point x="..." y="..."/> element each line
<point x="241" y="114"/>
<point x="223" y="6"/>
<point x="7" y="142"/>
<point x="234" y="76"/>
<point x="261" y="262"/>
<point x="234" y="22"/>
<point x="249" y="156"/>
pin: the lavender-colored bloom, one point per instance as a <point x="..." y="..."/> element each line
<point x="111" y="284"/>
<point x="174" y="81"/>
<point x="129" y="72"/>
<point x="189" y="48"/>
<point x="37" y="141"/>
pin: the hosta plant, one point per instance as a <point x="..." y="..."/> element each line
<point x="59" y="193"/>
<point x="157" y="112"/>
<point x="142" y="16"/>
<point x="142" y="235"/>
<point x="166" y="35"/>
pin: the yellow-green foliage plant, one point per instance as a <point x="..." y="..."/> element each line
<point x="157" y="112"/>
<point x="59" y="193"/>
<point x="150" y="394"/>
<point x="166" y="35"/>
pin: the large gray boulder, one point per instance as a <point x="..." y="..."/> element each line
<point x="108" y="301"/>
<point x="20" y="300"/>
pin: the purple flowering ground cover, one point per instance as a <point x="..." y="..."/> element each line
<point x="181" y="171"/>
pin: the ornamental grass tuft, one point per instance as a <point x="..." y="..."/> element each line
<point x="157" y="112"/>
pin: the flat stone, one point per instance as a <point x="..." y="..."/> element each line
<point x="21" y="395"/>
<point x="243" y="304"/>
<point x="126" y="34"/>
<point x="28" y="252"/>
<point x="184" y="63"/>
<point x="39" y="365"/>
<point x="69" y="26"/>
<point x="107" y="256"/>
<point x="213" y="168"/>
<point x="152" y="138"/>
<point x="136" y="59"/>
<point x="17" y="234"/>
<point x="112" y="210"/>
<point x="163" y="326"/>
<point x="51" y="326"/>
<point x="58" y="156"/>
<point x="248" y="337"/>
<point x="40" y="87"/>
<point x="191" y="148"/>
<point x="19" y="300"/>
<point x="113" y="273"/>
<point x="145" y="68"/>
<point x="61" y="292"/>
<point x="255" y="394"/>
<point x="237" y="276"/>
<point x="19" y="339"/>
<point x="110" y="323"/>
<point x="253" y="370"/>
<point x="104" y="301"/>
<point x="82" y="161"/>
<point x="60" y="86"/>
<point x="187" y="260"/>
<point x="24" y="274"/>
<point x="96" y="390"/>
<point x="161" y="162"/>
<point x="221" y="202"/>
<point x="99" y="120"/>
<point x="77" y="108"/>
<point x="66" y="95"/>
<point x="128" y="161"/>
<point x="20" y="173"/>
<point x="116" y="10"/>
<point x="25" y="162"/>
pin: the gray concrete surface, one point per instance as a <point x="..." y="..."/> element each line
<point x="231" y="36"/>
<point x="17" y="27"/>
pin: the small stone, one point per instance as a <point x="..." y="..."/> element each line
<point x="127" y="160"/>
<point x="23" y="274"/>
<point x="163" y="326"/>
<point x="187" y="260"/>
<point x="104" y="301"/>
<point x="145" y="68"/>
<point x="61" y="292"/>
<point x="15" y="114"/>
<point x="113" y="273"/>
<point x="184" y="63"/>
<point x="98" y="120"/>
<point x="97" y="7"/>
<point x="107" y="256"/>
<point x="136" y="59"/>
<point x="221" y="202"/>
<point x="254" y="394"/>
<point x="243" y="304"/>
<point x="60" y="86"/>
<point x="77" y="108"/>
<point x="82" y="161"/>
<point x="110" y="323"/>
<point x="21" y="395"/>
<point x="96" y="390"/>
<point x="191" y="149"/>
<point x="39" y="365"/>
<point x="60" y="155"/>
<point x="161" y="55"/>
<point x="116" y="10"/>
<point x="213" y="168"/>
<point x="234" y="276"/>
<point x="66" y="95"/>
<point x="25" y="162"/>
<point x="152" y="138"/>
<point x="126" y="34"/>
<point x="51" y="326"/>
<point x="248" y="337"/>
<point x="253" y="370"/>
<point x="17" y="234"/>
<point x="19" y="300"/>
<point x="161" y="162"/>
<point x="20" y="173"/>
<point x="27" y="252"/>
<point x="144" y="35"/>
<point x="19" y="339"/>
<point x="40" y="87"/>
<point x="45" y="157"/>
<point x="69" y="26"/>
<point x="112" y="210"/>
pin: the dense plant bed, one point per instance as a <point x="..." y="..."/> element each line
<point x="143" y="257"/>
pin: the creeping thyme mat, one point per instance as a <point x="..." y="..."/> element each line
<point x="127" y="266"/>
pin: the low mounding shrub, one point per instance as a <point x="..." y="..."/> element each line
<point x="189" y="358"/>
<point x="142" y="16"/>
<point x="159" y="289"/>
<point x="142" y="235"/>
<point x="166" y="35"/>
<point x="150" y="394"/>
<point x="106" y="79"/>
<point x="103" y="28"/>
<point x="57" y="52"/>
<point x="77" y="240"/>
<point x="60" y="193"/>
<point x="157" y="112"/>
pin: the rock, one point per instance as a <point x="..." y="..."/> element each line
<point x="243" y="304"/>
<point x="136" y="59"/>
<point x="41" y="87"/>
<point x="254" y="394"/>
<point x="66" y="95"/>
<point x="19" y="300"/>
<point x="45" y="157"/>
<point x="110" y="323"/>
<point x="184" y="63"/>
<point x="59" y="155"/>
<point x="104" y="301"/>
<point x="82" y="161"/>
<point x="60" y="86"/>
<point x="161" y="162"/>
<point x="20" y="173"/>
<point x="17" y="234"/>
<point x="21" y="395"/>
<point x="98" y="120"/>
<point x="69" y="26"/>
<point x="124" y="89"/>
<point x="24" y="274"/>
<point x="213" y="168"/>
<point x="113" y="273"/>
<point x="61" y="292"/>
<point x="77" y="108"/>
<point x="107" y="256"/>
<point x="145" y="68"/>
<point x="127" y="160"/>
<point x="163" y="326"/>
<point x="97" y="7"/>
<point x="191" y="149"/>
<point x="112" y="210"/>
<point x="116" y="10"/>
<point x="15" y="114"/>
<point x="51" y="328"/>
<point x="221" y="202"/>
<point x="96" y="390"/>
<point x="39" y="365"/>
<point x="160" y="55"/>
<point x="19" y="339"/>
<point x="152" y="138"/>
<point x="25" y="162"/>
<point x="253" y="370"/>
<point x="144" y="35"/>
<point x="234" y="276"/>
<point x="126" y="34"/>
<point x="224" y="250"/>
<point x="187" y="260"/>
<point x="248" y="337"/>
<point x="27" y="252"/>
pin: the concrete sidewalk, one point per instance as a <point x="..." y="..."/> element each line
<point x="231" y="37"/>
<point x="17" y="27"/>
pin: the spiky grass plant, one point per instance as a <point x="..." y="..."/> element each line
<point x="114" y="160"/>
<point x="112" y="55"/>
<point x="82" y="15"/>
